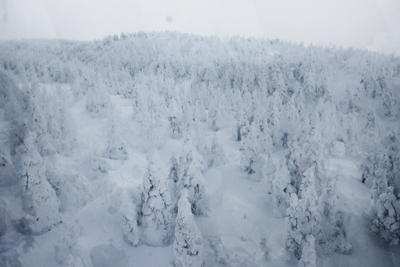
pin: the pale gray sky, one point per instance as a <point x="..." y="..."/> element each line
<point x="371" y="24"/>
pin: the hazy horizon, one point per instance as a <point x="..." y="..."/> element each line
<point x="368" y="24"/>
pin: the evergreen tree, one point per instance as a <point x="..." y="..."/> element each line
<point x="38" y="120"/>
<point x="274" y="118"/>
<point x="218" y="156"/>
<point x="308" y="255"/>
<point x="188" y="246"/>
<point x="329" y="233"/>
<point x="39" y="201"/>
<point x="73" y="262"/>
<point x="97" y="98"/>
<point x="295" y="164"/>
<point x="60" y="124"/>
<point x="157" y="206"/>
<point x="281" y="190"/>
<point x="116" y="148"/>
<point x="389" y="105"/>
<point x="250" y="152"/>
<point x="191" y="165"/>
<point x="387" y="218"/>
<point x="130" y="219"/>
<point x="302" y="216"/>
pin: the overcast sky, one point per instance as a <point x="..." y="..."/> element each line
<point x="371" y="24"/>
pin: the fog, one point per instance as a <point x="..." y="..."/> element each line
<point x="369" y="24"/>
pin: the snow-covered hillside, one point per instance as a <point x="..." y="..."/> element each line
<point x="167" y="149"/>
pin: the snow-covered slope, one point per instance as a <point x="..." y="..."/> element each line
<point x="178" y="150"/>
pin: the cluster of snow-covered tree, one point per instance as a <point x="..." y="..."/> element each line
<point x="312" y="102"/>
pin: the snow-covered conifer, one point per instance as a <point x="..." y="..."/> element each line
<point x="188" y="246"/>
<point x="40" y="203"/>
<point x="302" y="215"/>
<point x="387" y="220"/>
<point x="60" y="125"/>
<point x="191" y="165"/>
<point x="329" y="232"/>
<point x="308" y="255"/>
<point x="216" y="116"/>
<point x="175" y="118"/>
<point x="76" y="89"/>
<point x="295" y="164"/>
<point x="293" y="243"/>
<point x="389" y="105"/>
<point x="218" y="156"/>
<point x="157" y="205"/>
<point x="130" y="218"/>
<point x="264" y="135"/>
<point x="38" y="121"/>
<point x="73" y="262"/>
<point x="269" y="170"/>
<point x="174" y="169"/>
<point x="371" y="119"/>
<point x="116" y="148"/>
<point x="250" y="152"/>
<point x="97" y="98"/>
<point x="281" y="189"/>
<point x="274" y="118"/>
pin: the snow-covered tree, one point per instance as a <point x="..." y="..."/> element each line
<point x="218" y="156"/>
<point x="387" y="218"/>
<point x="302" y="215"/>
<point x="269" y="170"/>
<point x="264" y="135"/>
<point x="188" y="246"/>
<point x="216" y="114"/>
<point x="116" y="148"/>
<point x="130" y="219"/>
<point x="250" y="153"/>
<point x="76" y="89"/>
<point x="329" y="233"/>
<point x="174" y="170"/>
<point x="38" y="121"/>
<point x="40" y="203"/>
<point x="389" y="105"/>
<point x="157" y="206"/>
<point x="295" y="237"/>
<point x="274" y="118"/>
<point x="191" y="165"/>
<point x="281" y="189"/>
<point x="97" y="98"/>
<point x="73" y="262"/>
<point x="308" y="255"/>
<point x="60" y="124"/>
<point x="295" y="164"/>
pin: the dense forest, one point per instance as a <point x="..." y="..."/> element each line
<point x="199" y="151"/>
